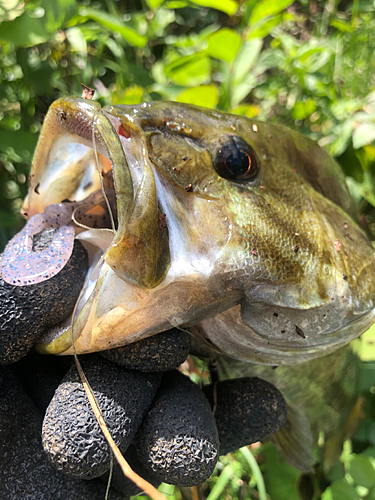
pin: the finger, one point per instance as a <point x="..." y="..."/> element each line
<point x="247" y="410"/>
<point x="71" y="434"/>
<point x="40" y="376"/>
<point x="162" y="352"/>
<point x="178" y="440"/>
<point x="25" y="471"/>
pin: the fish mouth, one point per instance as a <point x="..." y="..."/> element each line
<point x="80" y="141"/>
<point x="124" y="217"/>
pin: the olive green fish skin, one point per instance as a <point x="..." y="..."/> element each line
<point x="272" y="269"/>
<point x="292" y="240"/>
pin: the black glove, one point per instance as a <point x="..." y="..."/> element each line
<point x="168" y="428"/>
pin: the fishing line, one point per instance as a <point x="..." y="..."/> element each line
<point x="93" y="135"/>
<point x="109" y="477"/>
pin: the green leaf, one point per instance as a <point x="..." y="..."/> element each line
<point x="175" y="4"/>
<point x="114" y="24"/>
<point x="18" y="140"/>
<point x="204" y="95"/>
<point x="281" y="479"/>
<point x="76" y="40"/>
<point x="246" y="59"/>
<point x="153" y="4"/>
<point x="268" y="8"/>
<point x="340" y="490"/>
<point x="58" y="13"/>
<point x="342" y="25"/>
<point x="130" y="95"/>
<point x="368" y="348"/>
<point x="367" y="377"/>
<point x="363" y="134"/>
<point x="224" y="44"/>
<point x="241" y="90"/>
<point x="190" y="70"/>
<point x="303" y="109"/>
<point x="264" y="26"/>
<point x="24" y="31"/>
<point x="362" y="471"/>
<point x="228" y="6"/>
<point x="249" y="110"/>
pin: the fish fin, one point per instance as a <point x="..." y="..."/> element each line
<point x="294" y="441"/>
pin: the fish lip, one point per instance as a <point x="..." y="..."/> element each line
<point x="111" y="129"/>
<point x="78" y="121"/>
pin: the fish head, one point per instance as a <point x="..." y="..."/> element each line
<point x="242" y="231"/>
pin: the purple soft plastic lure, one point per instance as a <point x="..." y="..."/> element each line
<point x="21" y="265"/>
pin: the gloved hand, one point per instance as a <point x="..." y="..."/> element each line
<point x="168" y="428"/>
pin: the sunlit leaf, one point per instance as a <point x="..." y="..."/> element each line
<point x="228" y="6"/>
<point x="130" y="95"/>
<point x="175" y="4"/>
<point x="268" y="8"/>
<point x="249" y="110"/>
<point x="224" y="44"/>
<point x="204" y="95"/>
<point x="242" y="89"/>
<point x="161" y="19"/>
<point x="264" y="26"/>
<point x="10" y="9"/>
<point x="24" y="31"/>
<point x="189" y="70"/>
<point x="153" y="4"/>
<point x="76" y="39"/>
<point x="246" y="58"/>
<point x="363" y="134"/>
<point x="368" y="349"/>
<point x="303" y="109"/>
<point x="342" y="25"/>
<point x="114" y="24"/>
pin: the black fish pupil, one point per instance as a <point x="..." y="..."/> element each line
<point x="238" y="163"/>
<point x="235" y="160"/>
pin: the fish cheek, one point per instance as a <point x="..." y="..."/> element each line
<point x="183" y="159"/>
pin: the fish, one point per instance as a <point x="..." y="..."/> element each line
<point x="239" y="231"/>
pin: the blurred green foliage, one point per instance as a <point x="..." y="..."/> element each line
<point x="307" y="64"/>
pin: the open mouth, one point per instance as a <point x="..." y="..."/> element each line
<point x="81" y="186"/>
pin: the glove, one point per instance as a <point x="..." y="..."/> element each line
<point x="167" y="427"/>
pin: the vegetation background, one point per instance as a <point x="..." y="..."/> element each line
<point x="309" y="65"/>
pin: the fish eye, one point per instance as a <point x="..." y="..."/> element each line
<point x="236" y="160"/>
